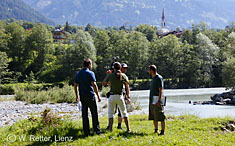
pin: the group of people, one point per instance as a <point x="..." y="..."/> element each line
<point x="118" y="96"/>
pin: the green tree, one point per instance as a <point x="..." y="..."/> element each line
<point x="189" y="67"/>
<point x="164" y="53"/>
<point x="39" y="49"/>
<point x="3" y="37"/>
<point x="149" y="31"/>
<point x="3" y="65"/>
<point x="16" y="45"/>
<point x="207" y="52"/>
<point x="228" y="73"/>
<point x="135" y="53"/>
<point x="75" y="55"/>
<point x="102" y="45"/>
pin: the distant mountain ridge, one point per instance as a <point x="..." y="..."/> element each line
<point x="18" y="10"/>
<point x="183" y="13"/>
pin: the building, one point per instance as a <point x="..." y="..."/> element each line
<point x="163" y="31"/>
<point x="60" y="35"/>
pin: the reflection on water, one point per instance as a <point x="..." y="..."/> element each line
<point x="178" y="102"/>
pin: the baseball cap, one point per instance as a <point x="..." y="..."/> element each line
<point x="124" y="65"/>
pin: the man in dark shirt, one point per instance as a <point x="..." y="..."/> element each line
<point x="86" y="81"/>
<point x="156" y="112"/>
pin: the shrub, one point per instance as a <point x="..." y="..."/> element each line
<point x="52" y="95"/>
<point x="6" y="90"/>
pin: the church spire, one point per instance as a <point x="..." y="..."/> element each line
<point x="163" y="19"/>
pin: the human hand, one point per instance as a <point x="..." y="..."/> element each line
<point x="158" y="103"/>
<point x="99" y="99"/>
<point x="128" y="100"/>
<point x="77" y="99"/>
<point x="108" y="72"/>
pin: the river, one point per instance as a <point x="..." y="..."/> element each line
<point x="178" y="102"/>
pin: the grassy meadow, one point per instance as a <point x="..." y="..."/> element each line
<point x="180" y="130"/>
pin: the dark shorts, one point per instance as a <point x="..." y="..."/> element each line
<point x="156" y="113"/>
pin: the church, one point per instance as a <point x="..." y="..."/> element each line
<point x="163" y="31"/>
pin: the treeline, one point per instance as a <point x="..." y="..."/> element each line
<point x="201" y="57"/>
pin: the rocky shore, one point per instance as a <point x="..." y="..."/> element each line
<point x="12" y="111"/>
<point x="225" y="98"/>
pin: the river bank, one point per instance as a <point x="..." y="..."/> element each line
<point x="12" y="111"/>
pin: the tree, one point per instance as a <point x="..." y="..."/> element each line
<point x="3" y="65"/>
<point x="187" y="36"/>
<point x="228" y="73"/>
<point x="188" y="69"/>
<point x="75" y="55"/>
<point x="207" y="52"/>
<point x="16" y="45"/>
<point x="38" y="49"/>
<point x="164" y="53"/>
<point x="102" y="45"/>
<point x="67" y="27"/>
<point x="3" y="37"/>
<point x="149" y="31"/>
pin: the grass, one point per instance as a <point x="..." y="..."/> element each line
<point x="52" y="95"/>
<point x="181" y="130"/>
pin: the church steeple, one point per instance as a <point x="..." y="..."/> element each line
<point x="163" y="19"/>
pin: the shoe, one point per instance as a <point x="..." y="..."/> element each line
<point x="98" y="132"/>
<point x="119" y="127"/>
<point x="128" y="131"/>
<point x="162" y="133"/>
<point x="156" y="131"/>
<point x="107" y="128"/>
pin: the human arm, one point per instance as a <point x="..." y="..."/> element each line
<point x="105" y="81"/>
<point x="96" y="90"/>
<point x="160" y="97"/>
<point x="127" y="88"/>
<point x="76" y="91"/>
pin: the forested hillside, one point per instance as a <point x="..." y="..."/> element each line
<point x="18" y="10"/>
<point x="182" y="13"/>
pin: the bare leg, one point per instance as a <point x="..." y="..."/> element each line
<point x="155" y="123"/>
<point x="111" y="124"/>
<point x="163" y="125"/>
<point x="127" y="123"/>
<point x="119" y="120"/>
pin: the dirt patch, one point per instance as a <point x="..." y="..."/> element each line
<point x="227" y="127"/>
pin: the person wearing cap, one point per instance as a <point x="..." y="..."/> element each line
<point x="117" y="79"/>
<point x="156" y="110"/>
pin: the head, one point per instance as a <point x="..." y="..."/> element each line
<point x="87" y="63"/>
<point x="116" y="66"/>
<point x="117" y="69"/>
<point x="124" y="67"/>
<point x="152" y="70"/>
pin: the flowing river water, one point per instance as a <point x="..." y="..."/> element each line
<point x="178" y="102"/>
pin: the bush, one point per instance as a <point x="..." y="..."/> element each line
<point x="134" y="105"/>
<point x="6" y="90"/>
<point x="9" y="89"/>
<point x="52" y="95"/>
<point x="49" y="125"/>
<point x="104" y="91"/>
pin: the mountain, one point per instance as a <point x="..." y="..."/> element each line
<point x="18" y="10"/>
<point x="183" y="13"/>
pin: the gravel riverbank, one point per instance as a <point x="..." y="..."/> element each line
<point x="12" y="111"/>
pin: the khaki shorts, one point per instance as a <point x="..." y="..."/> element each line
<point x="156" y="113"/>
<point x="116" y="100"/>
